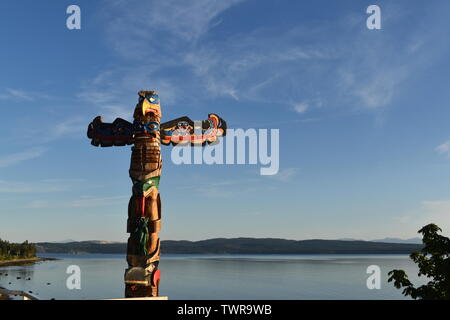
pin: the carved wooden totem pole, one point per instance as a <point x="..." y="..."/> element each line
<point x="144" y="208"/>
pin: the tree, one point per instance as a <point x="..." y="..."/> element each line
<point x="16" y="251"/>
<point x="433" y="261"/>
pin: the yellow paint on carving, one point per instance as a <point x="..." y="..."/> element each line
<point x="148" y="107"/>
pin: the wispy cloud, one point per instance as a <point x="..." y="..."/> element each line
<point x="15" y="94"/>
<point x="39" y="186"/>
<point x="81" y="202"/>
<point x="160" y="22"/>
<point x="301" y="107"/>
<point x="245" y="66"/>
<point x="42" y="186"/>
<point x="63" y="180"/>
<point x="115" y="95"/>
<point x="444" y="148"/>
<point x="74" y="125"/>
<point x="71" y="126"/>
<point x="150" y="41"/>
<point x="285" y="175"/>
<point x="338" y="63"/>
<point x="113" y="111"/>
<point x="38" y="204"/>
<point x="87" y="201"/>
<point x="21" y="95"/>
<point x="187" y="21"/>
<point x="54" y="128"/>
<point x="220" y="188"/>
<point x="15" y="158"/>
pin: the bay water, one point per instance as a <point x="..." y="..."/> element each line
<point x="191" y="276"/>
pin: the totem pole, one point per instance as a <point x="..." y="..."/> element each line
<point x="144" y="208"/>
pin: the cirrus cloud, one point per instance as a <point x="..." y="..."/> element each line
<point x="15" y="158"/>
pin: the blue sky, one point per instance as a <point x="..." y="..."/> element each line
<point x="363" y="116"/>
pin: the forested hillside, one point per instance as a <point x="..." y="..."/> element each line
<point x="10" y="251"/>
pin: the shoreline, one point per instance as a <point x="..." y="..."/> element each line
<point x="21" y="262"/>
<point x="4" y="296"/>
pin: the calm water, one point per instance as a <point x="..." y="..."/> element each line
<point x="218" y="276"/>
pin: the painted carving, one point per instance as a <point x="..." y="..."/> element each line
<point x="146" y="134"/>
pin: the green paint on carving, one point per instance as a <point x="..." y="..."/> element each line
<point x="141" y="235"/>
<point x="140" y="187"/>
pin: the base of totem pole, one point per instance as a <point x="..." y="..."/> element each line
<point x="132" y="291"/>
<point x="143" y="298"/>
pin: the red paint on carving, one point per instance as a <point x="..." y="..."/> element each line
<point x="156" y="277"/>
<point x="142" y="206"/>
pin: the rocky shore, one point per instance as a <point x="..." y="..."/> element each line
<point x="22" y="262"/>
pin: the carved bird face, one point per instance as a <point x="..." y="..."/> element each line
<point x="148" y="107"/>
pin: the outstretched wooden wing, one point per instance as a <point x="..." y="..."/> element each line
<point x="118" y="133"/>
<point x="178" y="131"/>
<point x="185" y="131"/>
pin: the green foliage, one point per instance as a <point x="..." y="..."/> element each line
<point x="433" y="261"/>
<point x="10" y="251"/>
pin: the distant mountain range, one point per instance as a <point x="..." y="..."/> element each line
<point x="241" y="246"/>
<point x="389" y="240"/>
<point x="397" y="240"/>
